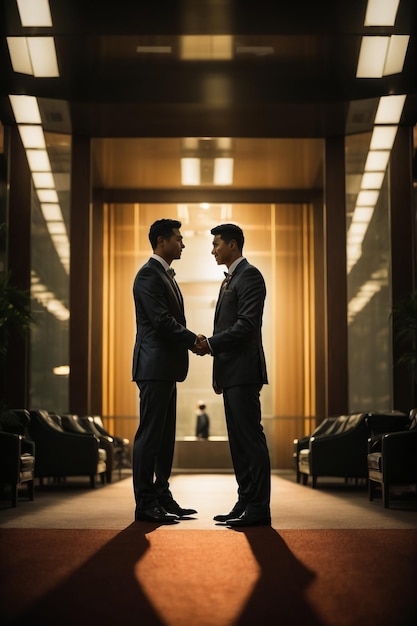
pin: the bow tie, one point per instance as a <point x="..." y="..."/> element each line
<point x="226" y="274"/>
<point x="170" y="272"/>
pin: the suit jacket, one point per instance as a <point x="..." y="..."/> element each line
<point x="162" y="339"/>
<point x="236" y="343"/>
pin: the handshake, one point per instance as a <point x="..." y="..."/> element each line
<point x="201" y="346"/>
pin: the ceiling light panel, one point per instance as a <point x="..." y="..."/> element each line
<point x="32" y="136"/>
<point x="25" y="109"/>
<point x="206" y="47"/>
<point x="38" y="160"/>
<point x="34" y="12"/>
<point x="390" y="109"/>
<point x="381" y="12"/>
<point x="43" y="56"/>
<point x="19" y="55"/>
<point x="372" y="57"/>
<point x="377" y="160"/>
<point x="383" y="137"/>
<point x="396" y="53"/>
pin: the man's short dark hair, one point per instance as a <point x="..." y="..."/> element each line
<point x="228" y="232"/>
<point x="162" y="228"/>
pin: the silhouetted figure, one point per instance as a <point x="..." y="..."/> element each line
<point x="202" y="427"/>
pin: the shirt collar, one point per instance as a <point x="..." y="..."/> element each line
<point x="234" y="265"/>
<point x="161" y="260"/>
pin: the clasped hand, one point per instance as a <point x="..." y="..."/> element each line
<point x="201" y="346"/>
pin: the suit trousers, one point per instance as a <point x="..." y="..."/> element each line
<point x="248" y="447"/>
<point x="153" y="448"/>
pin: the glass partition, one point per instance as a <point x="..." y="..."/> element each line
<point x="369" y="278"/>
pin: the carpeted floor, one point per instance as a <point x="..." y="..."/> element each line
<point x="331" y="558"/>
<point x="154" y="576"/>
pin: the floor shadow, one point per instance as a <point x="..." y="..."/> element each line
<point x="280" y="593"/>
<point x="101" y="591"/>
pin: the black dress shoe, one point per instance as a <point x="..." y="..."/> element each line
<point x="155" y="514"/>
<point x="246" y="519"/>
<point x="174" y="508"/>
<point x="234" y="513"/>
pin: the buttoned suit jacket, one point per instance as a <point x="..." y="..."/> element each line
<point x="236" y="343"/>
<point x="162" y="339"/>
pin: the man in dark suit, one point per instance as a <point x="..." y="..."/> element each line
<point x="239" y="372"/>
<point x="160" y="359"/>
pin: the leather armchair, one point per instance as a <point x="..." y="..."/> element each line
<point x="60" y="454"/>
<point x="392" y="460"/>
<point x="342" y="450"/>
<point x="74" y="424"/>
<point x="121" y="444"/>
<point x="303" y="442"/>
<point x="17" y="453"/>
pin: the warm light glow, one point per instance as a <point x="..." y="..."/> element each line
<point x="396" y="54"/>
<point x="43" y="180"/>
<point x="33" y="55"/>
<point x="381" y="12"/>
<point x="51" y="212"/>
<point x="32" y="136"/>
<point x="382" y="56"/>
<point x="377" y="160"/>
<point x="34" y="12"/>
<point x="43" y="56"/>
<point x="223" y="171"/>
<point x="372" y="180"/>
<point x="25" y="109"/>
<point x="206" y="47"/>
<point x="372" y="57"/>
<point x="190" y="171"/>
<point x="19" y="55"/>
<point x="367" y="198"/>
<point x="47" y="195"/>
<point x="383" y="137"/>
<point x="390" y="109"/>
<point x="38" y="160"/>
<point x="61" y="370"/>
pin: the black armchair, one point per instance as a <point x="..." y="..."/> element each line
<point x="74" y="424"/>
<point x="392" y="460"/>
<point x="60" y="454"/>
<point x="342" y="450"/>
<point x="121" y="444"/>
<point x="17" y="453"/>
<point x="327" y="425"/>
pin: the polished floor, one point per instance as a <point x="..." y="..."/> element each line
<point x="333" y="505"/>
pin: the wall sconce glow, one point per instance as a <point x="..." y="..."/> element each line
<point x="61" y="370"/>
<point x="205" y="206"/>
<point x="383" y="137"/>
<point x="38" y="160"/>
<point x="390" y="109"/>
<point x="206" y="47"/>
<point x="34" y="12"/>
<point x="190" y="171"/>
<point x="377" y="160"/>
<point x="25" y="109"/>
<point x="32" y="136"/>
<point x="223" y="171"/>
<point x="381" y="13"/>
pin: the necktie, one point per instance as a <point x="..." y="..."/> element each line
<point x="171" y="274"/>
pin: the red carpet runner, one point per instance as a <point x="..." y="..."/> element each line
<point x="159" y="576"/>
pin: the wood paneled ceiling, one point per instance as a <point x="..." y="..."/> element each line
<point x="290" y="75"/>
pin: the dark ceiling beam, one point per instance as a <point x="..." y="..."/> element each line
<point x="215" y="196"/>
